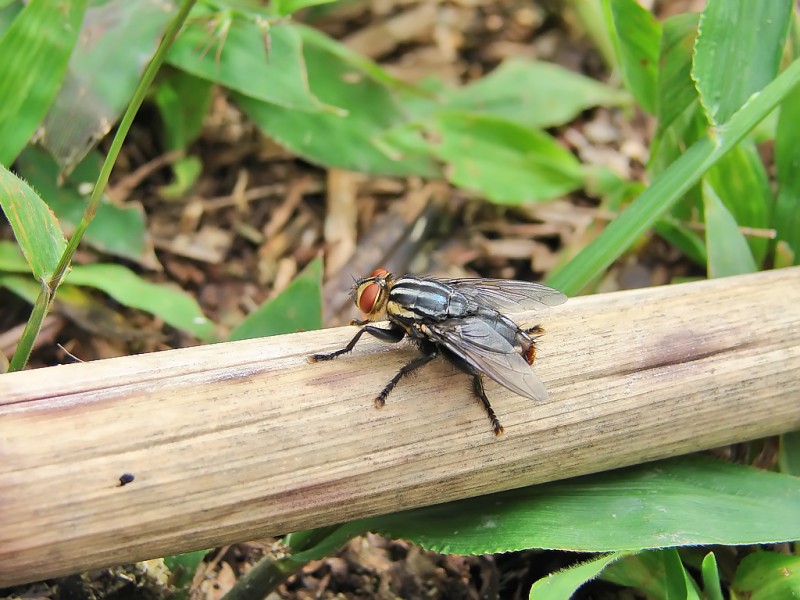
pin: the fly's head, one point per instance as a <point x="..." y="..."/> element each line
<point x="371" y="293"/>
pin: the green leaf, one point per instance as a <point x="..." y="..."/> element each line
<point x="506" y="163"/>
<point x="118" y="40"/>
<point x="728" y="253"/>
<point x="11" y="258"/>
<point x="679" y="582"/>
<point x="711" y="586"/>
<point x="344" y="140"/>
<point x="174" y="306"/>
<point x="635" y="34"/>
<point x="118" y="230"/>
<point x="183" y="101"/>
<point x="685" y="501"/>
<point x="33" y="59"/>
<point x="24" y="287"/>
<point x="787" y="163"/>
<point x="9" y="10"/>
<point x="767" y="575"/>
<point x="670" y="186"/>
<point x="297" y="308"/>
<point x="683" y="238"/>
<point x="533" y="94"/>
<point x="789" y="454"/>
<point x="287" y="7"/>
<point x="738" y="51"/>
<point x="563" y="584"/>
<point x="676" y="91"/>
<point x="238" y="60"/>
<point x="741" y="181"/>
<point x="184" y="566"/>
<point x="314" y="37"/>
<point x="657" y="574"/>
<point x="35" y="227"/>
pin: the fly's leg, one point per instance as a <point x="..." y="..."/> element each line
<point x="477" y="386"/>
<point x="410" y="367"/>
<point x="393" y="334"/>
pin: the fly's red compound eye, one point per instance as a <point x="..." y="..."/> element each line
<point x="367" y="297"/>
<point x="379" y="273"/>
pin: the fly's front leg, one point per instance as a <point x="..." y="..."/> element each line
<point x="410" y="367"/>
<point x="477" y="386"/>
<point x="393" y="334"/>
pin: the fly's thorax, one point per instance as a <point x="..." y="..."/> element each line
<point x="416" y="298"/>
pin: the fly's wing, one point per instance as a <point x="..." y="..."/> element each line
<point x="479" y="344"/>
<point x="506" y="295"/>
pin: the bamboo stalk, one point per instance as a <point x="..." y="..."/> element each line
<point x="235" y="441"/>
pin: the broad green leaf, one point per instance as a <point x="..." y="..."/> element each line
<point x="738" y="52"/>
<point x="9" y="9"/>
<point x="691" y="500"/>
<point x="533" y="94"/>
<point x="24" y="287"/>
<point x="767" y="575"/>
<point x="117" y="40"/>
<point x="787" y="163"/>
<point x="710" y="573"/>
<point x="741" y="181"/>
<point x="728" y="253"/>
<point x="11" y="258"/>
<point x="76" y="304"/>
<point x="314" y="37"/>
<point x="186" y="172"/>
<point x="33" y="59"/>
<point x="183" y="101"/>
<point x="562" y="585"/>
<point x="34" y="225"/>
<point x="297" y="308"/>
<point x="317" y="543"/>
<point x="174" y="306"/>
<point x="683" y="238"/>
<point x="679" y="583"/>
<point x="344" y="140"/>
<point x="636" y="35"/>
<point x="506" y="163"/>
<point x="236" y="58"/>
<point x="118" y="230"/>
<point x="668" y="187"/>
<point x="789" y="454"/>
<point x="657" y="574"/>
<point x="184" y="566"/>
<point x="676" y="91"/>
<point x="287" y="7"/>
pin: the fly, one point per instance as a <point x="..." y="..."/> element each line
<point x="464" y="320"/>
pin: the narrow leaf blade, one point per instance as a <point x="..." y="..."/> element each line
<point x="33" y="59"/>
<point x="297" y="308"/>
<point x="738" y="52"/>
<point x="175" y="306"/>
<point x="35" y="226"/>
<point x="728" y="253"/>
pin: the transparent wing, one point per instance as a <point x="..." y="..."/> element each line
<point x="478" y="343"/>
<point x="507" y="295"/>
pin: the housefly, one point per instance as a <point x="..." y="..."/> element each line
<point x="464" y="320"/>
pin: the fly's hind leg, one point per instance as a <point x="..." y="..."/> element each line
<point x="477" y="386"/>
<point x="415" y="364"/>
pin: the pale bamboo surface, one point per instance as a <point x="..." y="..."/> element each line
<point x="235" y="441"/>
